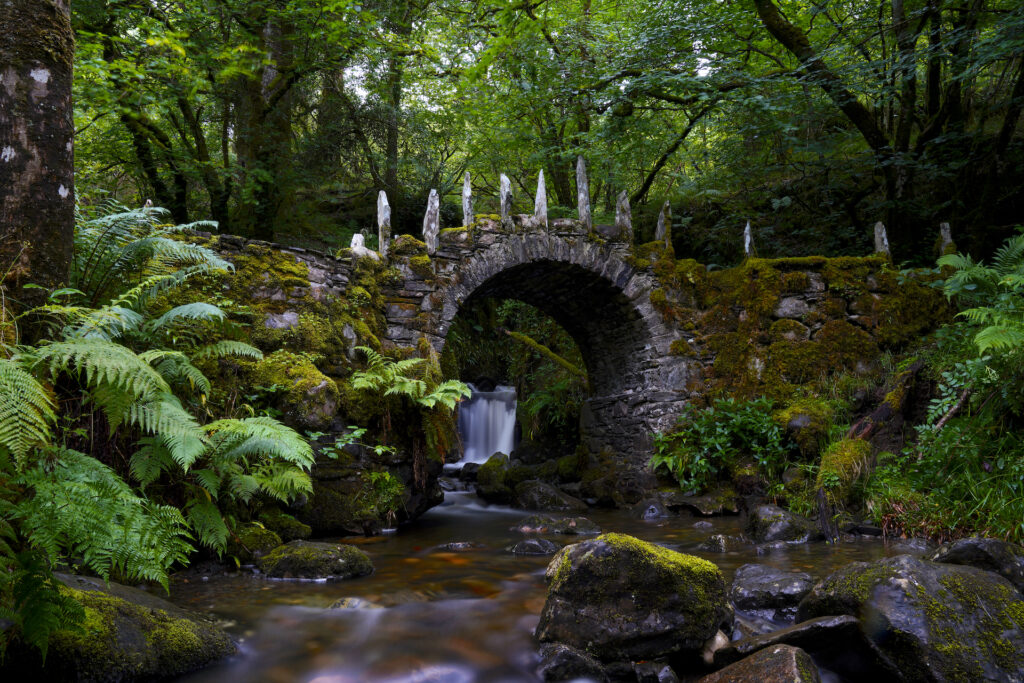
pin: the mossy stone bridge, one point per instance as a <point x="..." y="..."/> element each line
<point x="655" y="332"/>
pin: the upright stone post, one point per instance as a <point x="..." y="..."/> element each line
<point x="432" y="222"/>
<point x="945" y="238"/>
<point x="467" y="201"/>
<point x="663" y="233"/>
<point x="540" y="203"/>
<point x="748" y="241"/>
<point x="583" y="194"/>
<point x="623" y="218"/>
<point x="505" y="199"/>
<point x="881" y="239"/>
<point x="383" y="223"/>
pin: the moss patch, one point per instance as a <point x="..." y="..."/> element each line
<point x="842" y="464"/>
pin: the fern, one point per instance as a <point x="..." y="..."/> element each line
<point x="26" y="410"/>
<point x="226" y="348"/>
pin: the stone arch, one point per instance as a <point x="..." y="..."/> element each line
<point x="604" y="304"/>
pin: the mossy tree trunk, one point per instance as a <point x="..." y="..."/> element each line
<point x="37" y="200"/>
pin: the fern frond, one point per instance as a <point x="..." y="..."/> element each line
<point x="197" y="310"/>
<point x="26" y="410"/>
<point x="226" y="348"/>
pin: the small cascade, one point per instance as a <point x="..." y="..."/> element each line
<point x="487" y="423"/>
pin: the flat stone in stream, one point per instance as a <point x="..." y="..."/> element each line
<point x="312" y="560"/>
<point x="938" y="622"/>
<point x="621" y="599"/>
<point x="990" y="554"/>
<point x="721" y="543"/>
<point x="561" y="662"/>
<point x="768" y="523"/>
<point x="535" y="546"/>
<point x="545" y="524"/>
<point x="775" y="664"/>
<point x="769" y="592"/>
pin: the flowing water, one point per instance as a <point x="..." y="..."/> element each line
<point x="450" y="615"/>
<point x="487" y="423"/>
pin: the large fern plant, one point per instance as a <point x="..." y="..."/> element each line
<point x="108" y="355"/>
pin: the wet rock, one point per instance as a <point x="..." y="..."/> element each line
<point x="769" y="592"/>
<point x="990" y="554"/>
<point x="535" y="546"/>
<point x="617" y="484"/>
<point x="791" y="307"/>
<point x="837" y="643"/>
<point x="536" y="495"/>
<point x="545" y="524"/>
<point x="128" y="635"/>
<point x="769" y="548"/>
<point x="703" y="525"/>
<point x="469" y="471"/>
<point x="721" y="543"/>
<point x="448" y="485"/>
<point x="719" y="502"/>
<point x="913" y="546"/>
<point x="768" y="523"/>
<point x="775" y="664"/>
<point x="354" y="603"/>
<point x="940" y="622"/>
<point x="651" y="508"/>
<point x="459" y="546"/>
<point x="561" y="662"/>
<point x="311" y="560"/>
<point x="621" y="599"/>
<point x="250" y="542"/>
<point x="654" y="672"/>
<point x="284" y="525"/>
<point x="490" y="480"/>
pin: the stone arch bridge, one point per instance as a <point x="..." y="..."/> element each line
<point x="655" y="332"/>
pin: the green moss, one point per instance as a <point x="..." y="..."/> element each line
<point x="811" y="419"/>
<point x="786" y="329"/>
<point x="407" y="245"/>
<point x="421" y="265"/>
<point x="842" y="464"/>
<point x="681" y="347"/>
<point x="846" y="346"/>
<point x="567" y="468"/>
<point x="309" y="396"/>
<point x="797" y="362"/>
<point x="284" y="525"/>
<point x="250" y="541"/>
<point x="795" y="282"/>
<point x="306" y="559"/>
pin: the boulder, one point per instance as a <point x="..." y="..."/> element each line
<point x="127" y="635"/>
<point x="938" y="622"/>
<point x="250" y="542"/>
<point x="768" y="523"/>
<point x="837" y="643"/>
<point x="564" y="663"/>
<point x="285" y="526"/>
<point x="721" y="543"/>
<point x="490" y="480"/>
<point x="651" y="508"/>
<point x="654" y="672"/>
<point x="310" y="560"/>
<point x="769" y="592"/>
<point x="622" y="599"/>
<point x="535" y="546"/>
<point x="775" y="664"/>
<point x="990" y="554"/>
<point x="545" y="524"/>
<point x="719" y="502"/>
<point x="536" y="495"/>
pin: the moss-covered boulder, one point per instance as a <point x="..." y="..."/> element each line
<point x="768" y="523"/>
<point x="807" y="421"/>
<point x="308" y="398"/>
<point x="310" y="560"/>
<point x="249" y="542"/>
<point x="491" y="484"/>
<point x="935" y="622"/>
<point x="622" y="599"/>
<point x="537" y="495"/>
<point x="285" y="526"/>
<point x="776" y="664"/>
<point x="842" y="464"/>
<point x="127" y="635"/>
<point x="990" y="554"/>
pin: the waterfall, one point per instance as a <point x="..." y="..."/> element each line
<point x="487" y="423"/>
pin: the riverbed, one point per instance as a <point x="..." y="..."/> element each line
<point x="453" y="615"/>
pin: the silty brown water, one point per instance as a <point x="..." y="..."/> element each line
<point x="449" y="615"/>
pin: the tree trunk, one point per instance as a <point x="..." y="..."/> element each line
<point x="37" y="200"/>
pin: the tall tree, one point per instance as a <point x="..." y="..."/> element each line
<point x="37" y="203"/>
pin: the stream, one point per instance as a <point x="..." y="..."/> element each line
<point x="451" y="615"/>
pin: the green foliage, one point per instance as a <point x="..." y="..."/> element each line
<point x="708" y="441"/>
<point x="382" y="495"/>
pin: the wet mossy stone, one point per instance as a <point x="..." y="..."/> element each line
<point x="537" y="495"/>
<point x="354" y="603"/>
<point x="490" y="480"/>
<point x="990" y="554"/>
<point x="311" y="560"/>
<point x="775" y="664"/>
<point x="535" y="546"/>
<point x="252" y="541"/>
<point x="309" y="398"/>
<point x="285" y="526"/>
<point x="722" y="501"/>
<point x="935" y="622"/>
<point x="652" y="508"/>
<point x="569" y="526"/>
<point x="807" y="421"/>
<point x="721" y="543"/>
<point x="768" y="591"/>
<point x="561" y="662"/>
<point x="127" y="635"/>
<point x="768" y="523"/>
<point x="618" y="598"/>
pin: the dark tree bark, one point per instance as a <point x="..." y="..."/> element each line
<point x="37" y="200"/>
